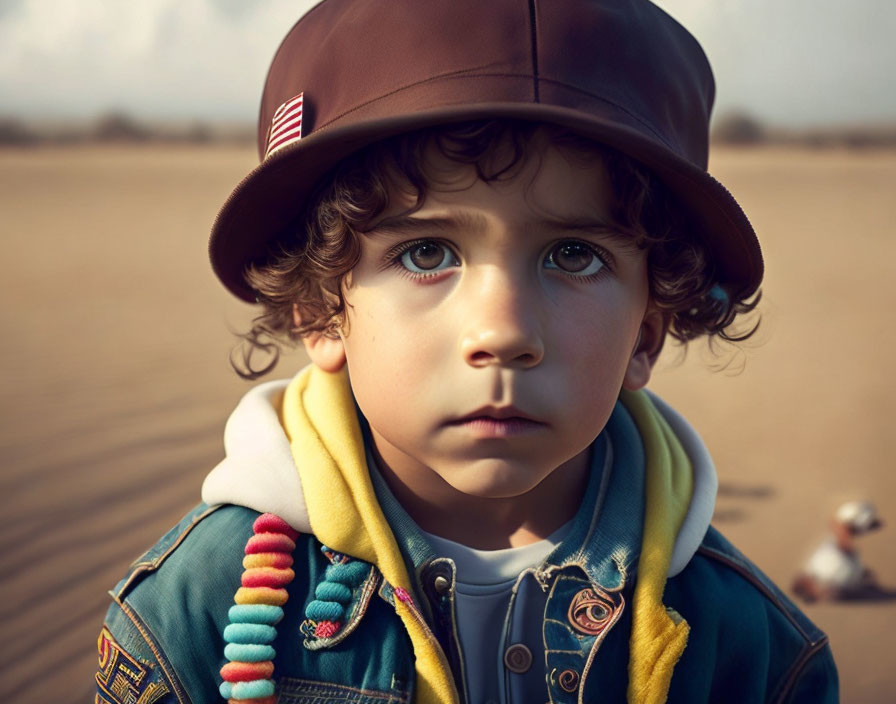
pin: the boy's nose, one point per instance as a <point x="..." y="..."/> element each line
<point x="500" y="326"/>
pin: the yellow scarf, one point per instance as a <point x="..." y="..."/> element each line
<point x="318" y="415"/>
<point x="320" y="422"/>
<point x="659" y="635"/>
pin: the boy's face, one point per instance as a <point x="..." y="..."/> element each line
<point x="488" y="333"/>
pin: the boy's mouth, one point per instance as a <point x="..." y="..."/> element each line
<point x="498" y="422"/>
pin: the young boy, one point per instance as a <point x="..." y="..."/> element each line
<point x="481" y="219"/>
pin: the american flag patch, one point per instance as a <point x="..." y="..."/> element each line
<point x="286" y="125"/>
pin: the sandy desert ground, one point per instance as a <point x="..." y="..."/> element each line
<point x="117" y="383"/>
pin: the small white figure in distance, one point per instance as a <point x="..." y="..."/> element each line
<point x="835" y="571"/>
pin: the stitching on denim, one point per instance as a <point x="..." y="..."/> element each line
<point x="544" y="634"/>
<point x="140" y="568"/>
<point x="179" y="692"/>
<point x="370" y="586"/>
<point x="564" y="652"/>
<point x="384" y="592"/>
<point x="289" y="685"/>
<point x="620" y="557"/>
<point x="745" y="572"/>
<point x="586" y="579"/>
<point x="589" y="661"/>
<point x="791" y="677"/>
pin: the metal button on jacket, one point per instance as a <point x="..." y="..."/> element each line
<point x="518" y="658"/>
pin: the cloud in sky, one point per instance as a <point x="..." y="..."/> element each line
<point x="156" y="58"/>
<point x="796" y="62"/>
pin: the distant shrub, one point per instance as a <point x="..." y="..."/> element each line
<point x="119" y="127"/>
<point x="869" y="138"/>
<point x="14" y="132"/>
<point x="738" y="128"/>
<point x="199" y="133"/>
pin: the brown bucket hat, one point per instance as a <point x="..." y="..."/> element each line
<point x="352" y="72"/>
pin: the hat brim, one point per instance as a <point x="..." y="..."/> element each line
<point x="267" y="203"/>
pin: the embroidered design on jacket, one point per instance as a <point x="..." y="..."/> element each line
<point x="591" y="610"/>
<point x="121" y="679"/>
<point x="325" y="614"/>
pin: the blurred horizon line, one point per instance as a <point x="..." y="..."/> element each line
<point x="733" y="126"/>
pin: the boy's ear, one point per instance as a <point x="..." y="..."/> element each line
<point x="650" y="343"/>
<point x="328" y="353"/>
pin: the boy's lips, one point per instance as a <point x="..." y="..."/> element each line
<point x="498" y="422"/>
<point x="497" y="413"/>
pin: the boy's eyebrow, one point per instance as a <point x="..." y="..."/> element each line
<point x="404" y="224"/>
<point x="411" y="224"/>
<point x="603" y="227"/>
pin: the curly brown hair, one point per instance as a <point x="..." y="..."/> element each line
<point x="307" y="266"/>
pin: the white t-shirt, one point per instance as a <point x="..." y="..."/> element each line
<point x="484" y="580"/>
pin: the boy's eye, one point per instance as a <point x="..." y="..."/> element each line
<point x="573" y="257"/>
<point x="427" y="257"/>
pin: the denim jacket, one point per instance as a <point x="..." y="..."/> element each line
<point x="162" y="639"/>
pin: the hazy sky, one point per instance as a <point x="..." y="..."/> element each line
<point x="790" y="62"/>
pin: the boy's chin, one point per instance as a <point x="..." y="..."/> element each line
<point x="498" y="480"/>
